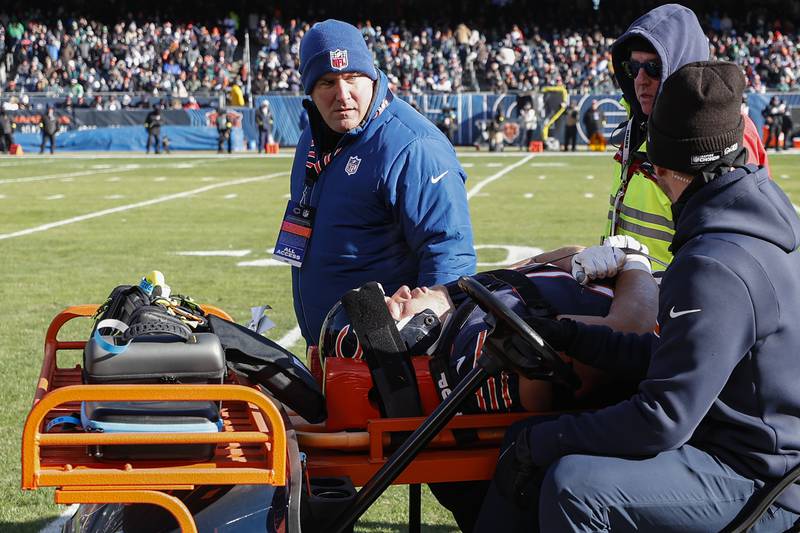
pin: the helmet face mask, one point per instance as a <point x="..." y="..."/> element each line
<point x="338" y="339"/>
<point x="420" y="332"/>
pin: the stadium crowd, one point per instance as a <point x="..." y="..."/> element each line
<point x="78" y="56"/>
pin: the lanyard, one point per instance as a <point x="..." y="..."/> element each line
<point x="314" y="167"/>
<point x="624" y="176"/>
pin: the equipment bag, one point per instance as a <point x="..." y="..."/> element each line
<point x="275" y="368"/>
<point x="151" y="417"/>
<point x="121" y="303"/>
<point x="154" y="358"/>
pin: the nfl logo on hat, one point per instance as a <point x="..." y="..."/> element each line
<point x="338" y="59"/>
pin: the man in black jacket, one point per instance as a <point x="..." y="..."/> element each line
<point x="49" y="126"/>
<point x="153" y="125"/>
<point x="6" y="131"/>
<point x="224" y="127"/>
<point x="264" y="123"/>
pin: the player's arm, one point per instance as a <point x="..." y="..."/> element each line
<point x="634" y="307"/>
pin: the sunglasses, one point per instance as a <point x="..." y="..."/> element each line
<point x="651" y="68"/>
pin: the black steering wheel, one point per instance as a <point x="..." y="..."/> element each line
<point x="516" y="357"/>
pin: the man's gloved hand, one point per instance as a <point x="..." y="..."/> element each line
<point x="635" y="252"/>
<point x="597" y="262"/>
<point x="557" y="333"/>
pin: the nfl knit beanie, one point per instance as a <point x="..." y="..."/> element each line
<point x="697" y="118"/>
<point x="333" y="46"/>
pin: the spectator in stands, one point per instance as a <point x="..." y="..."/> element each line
<point x="152" y="124"/>
<point x="180" y="59"/>
<point x="191" y="103"/>
<point x="264" y="122"/>
<point x="570" y="127"/>
<point x="48" y="123"/>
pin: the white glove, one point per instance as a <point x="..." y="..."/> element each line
<point x="597" y="262"/>
<point x="633" y="260"/>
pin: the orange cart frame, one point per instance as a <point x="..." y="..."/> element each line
<point x="250" y="450"/>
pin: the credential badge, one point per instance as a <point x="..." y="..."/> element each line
<point x="338" y="59"/>
<point x="352" y="165"/>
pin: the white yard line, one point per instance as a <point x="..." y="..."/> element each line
<point x="68" y="175"/>
<point x="56" y="525"/>
<point x="128" y="207"/>
<point x="481" y="184"/>
<point x="291" y="338"/>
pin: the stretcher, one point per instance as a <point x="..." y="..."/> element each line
<point x="252" y="449"/>
<point x="260" y="441"/>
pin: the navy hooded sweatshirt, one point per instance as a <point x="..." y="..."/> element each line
<point x="723" y="373"/>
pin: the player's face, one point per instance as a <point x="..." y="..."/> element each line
<point x="645" y="86"/>
<point x="405" y="302"/>
<point x="343" y="99"/>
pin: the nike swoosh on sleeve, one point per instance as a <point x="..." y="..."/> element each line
<point x="437" y="179"/>
<point x="675" y="314"/>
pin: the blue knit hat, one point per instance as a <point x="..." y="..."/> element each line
<point x="333" y="46"/>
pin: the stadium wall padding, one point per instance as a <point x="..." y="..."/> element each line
<point x="87" y="129"/>
<point x="130" y="139"/>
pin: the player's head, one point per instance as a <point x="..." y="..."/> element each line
<point x="418" y="314"/>
<point x="338" y="71"/>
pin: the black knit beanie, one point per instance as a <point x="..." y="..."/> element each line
<point x="697" y="118"/>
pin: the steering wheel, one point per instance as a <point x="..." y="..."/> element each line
<point x="519" y="360"/>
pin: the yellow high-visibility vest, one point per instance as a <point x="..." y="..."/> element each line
<point x="643" y="212"/>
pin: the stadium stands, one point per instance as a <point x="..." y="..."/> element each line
<point x="80" y="56"/>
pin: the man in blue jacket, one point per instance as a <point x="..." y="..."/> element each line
<point x="716" y="416"/>
<point x="377" y="193"/>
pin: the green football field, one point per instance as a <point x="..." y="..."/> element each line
<point x="73" y="227"/>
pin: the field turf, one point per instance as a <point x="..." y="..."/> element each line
<point x="75" y="226"/>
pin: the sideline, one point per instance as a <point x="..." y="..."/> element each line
<point x="126" y="168"/>
<point x="291" y="338"/>
<point x="146" y="203"/>
<point x="481" y="184"/>
<point x="56" y="525"/>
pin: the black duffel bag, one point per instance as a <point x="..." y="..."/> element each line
<point x="270" y="365"/>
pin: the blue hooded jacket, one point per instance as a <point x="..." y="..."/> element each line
<point x="390" y="207"/>
<point x="723" y="373"/>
